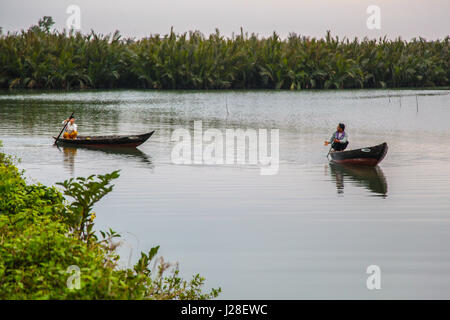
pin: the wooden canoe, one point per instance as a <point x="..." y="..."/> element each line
<point x="128" y="141"/>
<point x="370" y="156"/>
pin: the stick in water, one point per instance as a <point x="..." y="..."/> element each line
<point x="329" y="151"/>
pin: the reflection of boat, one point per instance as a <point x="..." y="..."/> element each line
<point x="106" y="141"/>
<point x="371" y="178"/>
<point x="121" y="152"/>
<point x="370" y="156"/>
<point x="130" y="153"/>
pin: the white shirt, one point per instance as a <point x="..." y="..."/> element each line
<point x="70" y="127"/>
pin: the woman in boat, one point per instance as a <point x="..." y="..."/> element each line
<point x="339" y="139"/>
<point x="71" y="129"/>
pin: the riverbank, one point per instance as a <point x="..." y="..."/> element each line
<point x="48" y="249"/>
<point x="39" y="58"/>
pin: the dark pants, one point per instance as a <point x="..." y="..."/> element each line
<point x="339" y="146"/>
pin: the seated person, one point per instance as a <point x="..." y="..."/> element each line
<point x="70" y="132"/>
<point x="339" y="139"/>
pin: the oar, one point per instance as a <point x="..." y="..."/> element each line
<point x="71" y="116"/>
<point x="329" y="150"/>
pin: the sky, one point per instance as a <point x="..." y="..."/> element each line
<point x="429" y="19"/>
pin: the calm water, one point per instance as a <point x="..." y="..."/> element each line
<point x="309" y="231"/>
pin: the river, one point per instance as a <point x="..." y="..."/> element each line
<point x="308" y="231"/>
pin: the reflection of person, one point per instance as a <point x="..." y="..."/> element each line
<point x="339" y="183"/>
<point x="69" y="158"/>
<point x="71" y="129"/>
<point x="339" y="139"/>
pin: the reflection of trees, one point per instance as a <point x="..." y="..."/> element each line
<point x="38" y="116"/>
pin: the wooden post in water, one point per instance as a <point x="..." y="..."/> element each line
<point x="226" y="105"/>
<point x="417" y="104"/>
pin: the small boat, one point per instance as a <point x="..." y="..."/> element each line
<point x="131" y="141"/>
<point x="370" y="156"/>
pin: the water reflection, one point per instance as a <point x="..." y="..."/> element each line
<point x="128" y="153"/>
<point x="70" y="154"/>
<point x="370" y="178"/>
<point x="32" y="116"/>
<point x="69" y="158"/>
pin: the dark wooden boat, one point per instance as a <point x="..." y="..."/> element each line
<point x="129" y="141"/>
<point x="370" y="156"/>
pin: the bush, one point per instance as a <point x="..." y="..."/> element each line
<point x="42" y="236"/>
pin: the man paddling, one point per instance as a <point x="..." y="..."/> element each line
<point x="339" y="139"/>
<point x="71" y="129"/>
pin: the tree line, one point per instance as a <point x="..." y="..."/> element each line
<point x="44" y="59"/>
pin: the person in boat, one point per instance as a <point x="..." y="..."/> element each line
<point x="70" y="132"/>
<point x="339" y="139"/>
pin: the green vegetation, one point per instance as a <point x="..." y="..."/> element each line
<point x="42" y="235"/>
<point x="39" y="58"/>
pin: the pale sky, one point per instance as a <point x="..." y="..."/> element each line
<point x="137" y="18"/>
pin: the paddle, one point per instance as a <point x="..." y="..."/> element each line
<point x="71" y="116"/>
<point x="329" y="152"/>
<point x="331" y="147"/>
